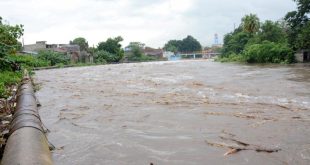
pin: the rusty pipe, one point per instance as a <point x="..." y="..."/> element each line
<point x="27" y="143"/>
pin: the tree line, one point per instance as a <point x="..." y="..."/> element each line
<point x="269" y="41"/>
<point x="111" y="51"/>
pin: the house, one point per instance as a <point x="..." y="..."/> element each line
<point x="157" y="53"/>
<point x="38" y="46"/>
<point x="42" y="45"/>
<point x="303" y="55"/>
<point x="72" y="51"/>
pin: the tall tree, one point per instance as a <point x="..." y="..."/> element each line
<point x="303" y="7"/>
<point x="9" y="36"/>
<point x="250" y="24"/>
<point x="272" y="31"/>
<point x="190" y="44"/>
<point x="136" y="53"/>
<point x="235" y="42"/>
<point x="81" y="42"/>
<point x="297" y="21"/>
<point x="302" y="39"/>
<point x="113" y="46"/>
<point x="173" y="46"/>
<point x="135" y="44"/>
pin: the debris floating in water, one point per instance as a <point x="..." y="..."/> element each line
<point x="238" y="145"/>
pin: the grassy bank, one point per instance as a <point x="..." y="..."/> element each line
<point x="11" y="71"/>
<point x="7" y="80"/>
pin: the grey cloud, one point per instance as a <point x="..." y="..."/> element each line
<point x="149" y="21"/>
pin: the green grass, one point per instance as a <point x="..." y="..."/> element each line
<point x="8" y="78"/>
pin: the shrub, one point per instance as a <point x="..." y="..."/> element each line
<point x="54" y="58"/>
<point x="137" y="55"/>
<point x="5" y="65"/>
<point x="103" y="57"/>
<point x="113" y="46"/>
<point x="8" y="78"/>
<point x="232" y="58"/>
<point x="268" y="52"/>
<point x="27" y="60"/>
<point x="3" y="92"/>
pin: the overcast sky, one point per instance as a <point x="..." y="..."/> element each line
<point x="153" y="22"/>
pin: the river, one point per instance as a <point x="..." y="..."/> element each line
<point x="179" y="112"/>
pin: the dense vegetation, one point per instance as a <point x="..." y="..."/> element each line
<point x="269" y="42"/>
<point x="299" y="26"/>
<point x="188" y="44"/>
<point x="11" y="63"/>
<point x="110" y="50"/>
<point x="53" y="58"/>
<point x="8" y="45"/>
<point x="136" y="54"/>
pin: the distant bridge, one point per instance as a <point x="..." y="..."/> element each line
<point x="199" y="54"/>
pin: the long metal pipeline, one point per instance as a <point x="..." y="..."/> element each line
<point x="27" y="143"/>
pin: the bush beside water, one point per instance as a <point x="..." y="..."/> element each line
<point x="8" y="78"/>
<point x="11" y="67"/>
<point x="266" y="42"/>
<point x="265" y="52"/>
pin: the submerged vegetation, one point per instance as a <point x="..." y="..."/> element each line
<point x="269" y="42"/>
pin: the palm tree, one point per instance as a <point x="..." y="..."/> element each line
<point x="250" y="23"/>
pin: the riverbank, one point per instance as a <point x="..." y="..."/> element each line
<point x="10" y="82"/>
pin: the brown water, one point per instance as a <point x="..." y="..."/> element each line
<point x="177" y="113"/>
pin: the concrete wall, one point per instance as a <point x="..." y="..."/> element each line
<point x="302" y="56"/>
<point x="299" y="56"/>
<point x="39" y="45"/>
<point x="168" y="54"/>
<point x="86" y="57"/>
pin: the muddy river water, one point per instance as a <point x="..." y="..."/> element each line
<point x="181" y="112"/>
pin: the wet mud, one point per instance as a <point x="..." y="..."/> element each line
<point x="182" y="112"/>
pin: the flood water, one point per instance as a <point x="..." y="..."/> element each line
<point x="180" y="112"/>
